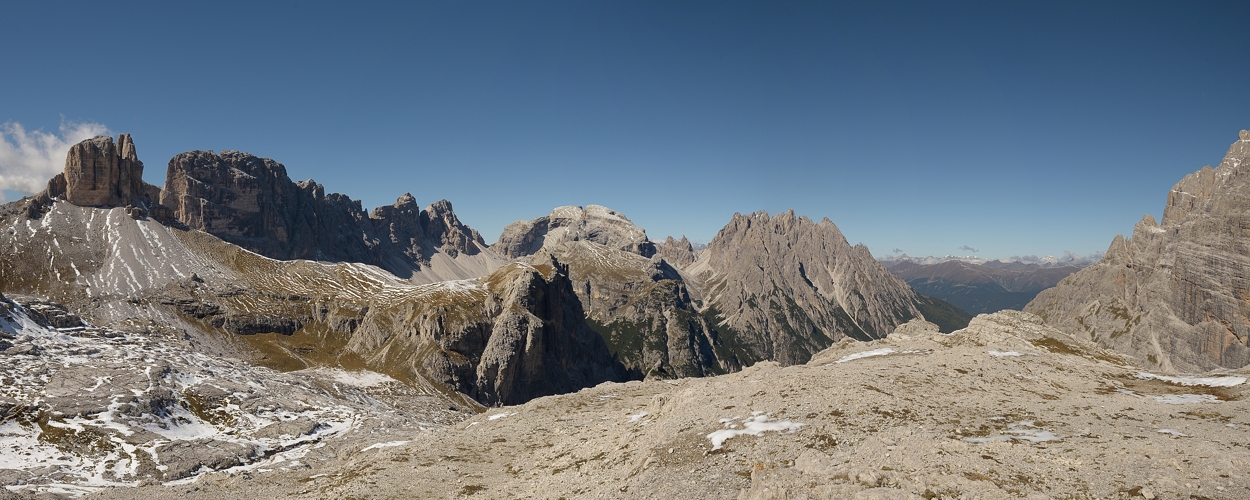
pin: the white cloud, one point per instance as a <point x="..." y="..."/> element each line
<point x="29" y="158"/>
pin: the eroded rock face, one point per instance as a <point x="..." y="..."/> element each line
<point x="253" y="203"/>
<point x="679" y="253"/>
<point x="515" y="335"/>
<point x="645" y="312"/>
<point x="1175" y="295"/>
<point x="594" y="223"/>
<point x="790" y="287"/>
<point x="100" y="173"/>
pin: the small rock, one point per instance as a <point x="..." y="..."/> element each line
<point x="20" y="349"/>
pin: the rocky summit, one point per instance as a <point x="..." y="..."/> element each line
<point x="790" y="287"/>
<point x="594" y="223"/>
<point x="1174" y="295"/>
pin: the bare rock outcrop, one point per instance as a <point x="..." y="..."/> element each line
<point x="101" y="173"/>
<point x="1175" y="295"/>
<point x="594" y="223"/>
<point x="679" y="253"/>
<point x="253" y="203"/>
<point x="790" y="287"/>
<point x="646" y="313"/>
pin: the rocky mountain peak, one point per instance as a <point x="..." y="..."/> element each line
<point x="593" y="223"/>
<point x="1173" y="294"/>
<point x="792" y="287"/>
<point x="677" y="252"/>
<point x="103" y="173"/>
<point x="1196" y="191"/>
<point x="405" y="200"/>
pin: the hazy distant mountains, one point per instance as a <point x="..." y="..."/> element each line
<point x="1067" y="259"/>
<point x="980" y="288"/>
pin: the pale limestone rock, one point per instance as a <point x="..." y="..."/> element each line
<point x="1175" y="295"/>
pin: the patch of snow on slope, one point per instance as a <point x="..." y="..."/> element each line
<point x="755" y="425"/>
<point x="362" y="378"/>
<point x="865" y="354"/>
<point x="1227" y="381"/>
<point x="389" y="444"/>
<point x="1182" y="399"/>
<point x="115" y="388"/>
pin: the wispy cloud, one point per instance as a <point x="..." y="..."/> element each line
<point x="29" y="158"/>
<point x="967" y="248"/>
<point x="898" y="250"/>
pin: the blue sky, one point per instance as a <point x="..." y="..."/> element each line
<point x="1013" y="128"/>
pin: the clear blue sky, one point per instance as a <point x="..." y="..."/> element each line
<point x="1011" y="127"/>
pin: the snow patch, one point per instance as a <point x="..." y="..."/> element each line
<point x="1182" y="399"/>
<point x="389" y="444"/>
<point x="757" y="424"/>
<point x="885" y="351"/>
<point x="362" y="378"/>
<point x="1228" y="381"/>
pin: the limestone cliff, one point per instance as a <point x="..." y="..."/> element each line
<point x="1175" y="295"/>
<point x="101" y="173"/>
<point x="253" y="203"/>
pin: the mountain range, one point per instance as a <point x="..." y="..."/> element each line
<point x="236" y="320"/>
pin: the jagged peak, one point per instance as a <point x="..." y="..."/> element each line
<point x="440" y="208"/>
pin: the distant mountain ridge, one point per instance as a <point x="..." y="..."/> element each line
<point x="1068" y="259"/>
<point x="981" y="288"/>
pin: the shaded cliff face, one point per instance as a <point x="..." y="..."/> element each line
<point x="594" y="223"/>
<point x="644" y="310"/>
<point x="1175" y="295"/>
<point x="515" y="334"/>
<point x="790" y="287"/>
<point x="251" y="202"/>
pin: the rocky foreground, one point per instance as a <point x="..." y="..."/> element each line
<point x="1007" y="408"/>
